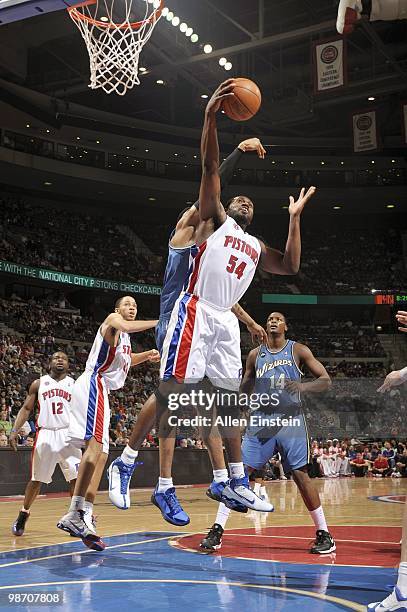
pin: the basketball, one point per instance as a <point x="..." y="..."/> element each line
<point x="246" y="101"/>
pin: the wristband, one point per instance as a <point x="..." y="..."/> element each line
<point x="403" y="374"/>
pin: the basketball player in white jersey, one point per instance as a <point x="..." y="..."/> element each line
<point x="53" y="393"/>
<point x="106" y="369"/>
<point x="203" y="336"/>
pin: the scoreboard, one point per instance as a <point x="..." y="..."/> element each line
<point x="391" y="299"/>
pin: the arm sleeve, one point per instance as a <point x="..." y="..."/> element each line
<point x="226" y="170"/>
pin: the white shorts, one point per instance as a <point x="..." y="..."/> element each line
<point x="51" y="447"/>
<point x="202" y="341"/>
<point x="90" y="411"/>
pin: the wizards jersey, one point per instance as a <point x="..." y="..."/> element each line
<point x="272" y="370"/>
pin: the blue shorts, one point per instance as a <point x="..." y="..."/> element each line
<point x="161" y="331"/>
<point x="291" y="442"/>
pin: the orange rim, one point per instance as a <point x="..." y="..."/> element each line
<point x="76" y="15"/>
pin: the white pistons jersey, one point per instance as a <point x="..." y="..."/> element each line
<point x="224" y="267"/>
<point x="112" y="363"/>
<point x="54" y="398"/>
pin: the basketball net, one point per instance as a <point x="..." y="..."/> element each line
<point x="114" y="47"/>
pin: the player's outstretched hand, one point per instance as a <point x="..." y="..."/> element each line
<point x="13" y="438"/>
<point x="258" y="333"/>
<point x="394" y="379"/>
<point x="253" y="144"/>
<point x="296" y="206"/>
<point x="225" y="90"/>
<point x="154" y="356"/>
<point x="401" y="317"/>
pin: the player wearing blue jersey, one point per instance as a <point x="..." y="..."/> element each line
<point x="273" y="381"/>
<point x="181" y="252"/>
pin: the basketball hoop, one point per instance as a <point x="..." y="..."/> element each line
<point x="114" y="41"/>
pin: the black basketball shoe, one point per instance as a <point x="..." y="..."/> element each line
<point x="324" y="543"/>
<point x="19" y="525"/>
<point x="213" y="540"/>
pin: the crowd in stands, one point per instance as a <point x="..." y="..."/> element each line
<point x="69" y="241"/>
<point x="333" y="261"/>
<point x="351" y="457"/>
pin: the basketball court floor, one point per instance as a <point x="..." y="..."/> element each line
<point x="264" y="562"/>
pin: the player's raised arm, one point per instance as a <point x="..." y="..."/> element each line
<point x="287" y="263"/>
<point x="153" y="356"/>
<point x="250" y="372"/>
<point x="257" y="332"/>
<point x="210" y="206"/>
<point x="116" y="321"/>
<point x="24" y="412"/>
<point x="322" y="381"/>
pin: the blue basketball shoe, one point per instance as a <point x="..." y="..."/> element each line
<point x="215" y="491"/>
<point x="119" y="475"/>
<point x="238" y="490"/>
<point x="169" y="506"/>
<point x="395" y="601"/>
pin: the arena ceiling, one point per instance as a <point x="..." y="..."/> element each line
<point x="268" y="40"/>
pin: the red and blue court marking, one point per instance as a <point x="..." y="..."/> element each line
<point x="390" y="499"/>
<point x="356" y="545"/>
<point x="142" y="571"/>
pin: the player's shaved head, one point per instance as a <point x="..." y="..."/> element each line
<point x="277" y="314"/>
<point x="59" y="354"/>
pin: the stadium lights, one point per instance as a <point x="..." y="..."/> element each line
<point x="47" y="183"/>
<point x="160" y="82"/>
<point x="390" y="206"/>
<point x="228" y="66"/>
<point x="146" y="150"/>
<point x="393" y="161"/>
<point x="151" y="199"/>
<point x="204" y="96"/>
<point x="98" y="142"/>
<point x="142" y="69"/>
<point x="336" y="207"/>
<point x="176" y="21"/>
<point x="222" y="61"/>
<point x="371" y="98"/>
<point x="208" y="48"/>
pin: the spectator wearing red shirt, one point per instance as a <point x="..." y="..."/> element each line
<point x="381" y="467"/>
<point x="359" y="466"/>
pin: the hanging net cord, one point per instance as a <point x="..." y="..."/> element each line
<point x="114" y="48"/>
